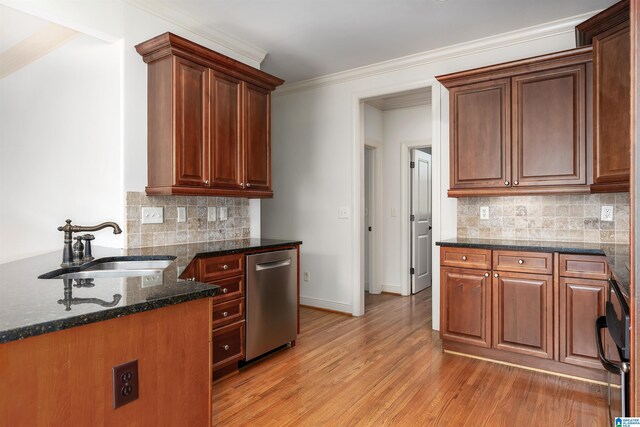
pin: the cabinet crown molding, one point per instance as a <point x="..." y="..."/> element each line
<point x="171" y="44"/>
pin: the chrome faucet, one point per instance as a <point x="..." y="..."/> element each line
<point x="68" y="258"/>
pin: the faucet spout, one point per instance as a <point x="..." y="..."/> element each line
<point x="68" y="229"/>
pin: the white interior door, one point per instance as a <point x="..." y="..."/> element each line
<point x="421" y="220"/>
<point x="367" y="218"/>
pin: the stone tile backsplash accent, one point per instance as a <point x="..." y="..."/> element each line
<point x="195" y="229"/>
<point x="573" y="218"/>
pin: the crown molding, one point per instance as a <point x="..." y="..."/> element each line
<point x="196" y="26"/>
<point x="542" y="31"/>
<point x="37" y="45"/>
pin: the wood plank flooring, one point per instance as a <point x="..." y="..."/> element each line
<point x="388" y="368"/>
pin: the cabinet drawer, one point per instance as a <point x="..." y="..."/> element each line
<point x="466" y="257"/>
<point x="214" y="268"/>
<point x="228" y="344"/>
<point x="584" y="266"/>
<point x="525" y="262"/>
<point x="228" y="312"/>
<point x="232" y="288"/>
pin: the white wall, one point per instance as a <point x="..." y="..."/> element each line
<point x="317" y="161"/>
<point x="60" y="151"/>
<point x="79" y="113"/>
<point x="400" y="126"/>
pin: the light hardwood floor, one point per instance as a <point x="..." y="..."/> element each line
<point x="388" y="368"/>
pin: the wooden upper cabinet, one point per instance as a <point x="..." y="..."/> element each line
<point x="609" y="33"/>
<point x="191" y="130"/>
<point x="257" y="138"/>
<point x="520" y="127"/>
<point x="548" y="119"/>
<point x="480" y="135"/>
<point x="208" y="121"/>
<point x="226" y="131"/>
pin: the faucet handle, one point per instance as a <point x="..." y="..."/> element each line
<point x="65" y="227"/>
<point x="88" y="237"/>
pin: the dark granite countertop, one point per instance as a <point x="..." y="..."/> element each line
<point x="30" y="306"/>
<point x="617" y="255"/>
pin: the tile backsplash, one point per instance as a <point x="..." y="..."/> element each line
<point x="562" y="218"/>
<point x="196" y="228"/>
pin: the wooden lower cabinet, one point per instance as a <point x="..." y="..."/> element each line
<point x="523" y="313"/>
<point x="466" y="306"/>
<point x="582" y="301"/>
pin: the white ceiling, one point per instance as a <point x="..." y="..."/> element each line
<point x="312" y="38"/>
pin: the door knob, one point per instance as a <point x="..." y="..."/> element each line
<point x="369" y="228"/>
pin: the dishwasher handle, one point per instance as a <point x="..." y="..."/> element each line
<point x="273" y="264"/>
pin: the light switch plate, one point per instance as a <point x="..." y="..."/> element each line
<point x="607" y="213"/>
<point x="223" y="213"/>
<point x="152" y="215"/>
<point x="484" y="212"/>
<point x="211" y="213"/>
<point x="394" y="212"/>
<point x="182" y="214"/>
<point x="343" y="212"/>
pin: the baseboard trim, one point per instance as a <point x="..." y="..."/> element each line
<point x="327" y="305"/>
<point x="391" y="289"/>
<point x="391" y="293"/>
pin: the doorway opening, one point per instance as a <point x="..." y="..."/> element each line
<point x="420" y="238"/>
<point x="392" y="125"/>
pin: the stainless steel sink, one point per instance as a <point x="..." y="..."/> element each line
<point x="117" y="268"/>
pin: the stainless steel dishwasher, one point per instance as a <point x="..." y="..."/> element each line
<point x="272" y="301"/>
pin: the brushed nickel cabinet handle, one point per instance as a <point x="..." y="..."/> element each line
<point x="191" y="279"/>
<point x="225" y="290"/>
<point x="225" y="314"/>
<point x="242" y="185"/>
<point x="225" y="347"/>
<point x="520" y="261"/>
<point x="248" y="185"/>
<point x="486" y="274"/>
<point x="464" y="257"/>
<point x="225" y="267"/>
<point x="506" y="183"/>
<point x="495" y="275"/>
<point x="515" y="183"/>
<point x="206" y="182"/>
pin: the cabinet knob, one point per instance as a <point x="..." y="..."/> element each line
<point x="225" y="314"/>
<point x="495" y="275"/>
<point x="486" y="274"/>
<point x="506" y="183"/>
<point x="206" y="182"/>
<point x="515" y="182"/>
<point x="225" y="347"/>
<point x="248" y="185"/>
<point x="520" y="261"/>
<point x="464" y="257"/>
<point x="225" y="267"/>
<point x="242" y="185"/>
<point x="225" y="290"/>
<point x="191" y="279"/>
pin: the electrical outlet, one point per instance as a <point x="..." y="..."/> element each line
<point x="182" y="214"/>
<point x="343" y="212"/>
<point x="484" y="212"/>
<point x="211" y="213"/>
<point x="152" y="280"/>
<point x="607" y="213"/>
<point x="307" y="276"/>
<point x="223" y="213"/>
<point x="152" y="215"/>
<point x="125" y="383"/>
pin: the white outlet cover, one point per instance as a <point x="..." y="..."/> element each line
<point x="182" y="214"/>
<point x="223" y="213"/>
<point x="152" y="215"/>
<point x="343" y="212"/>
<point x="484" y="212"/>
<point x="607" y="213"/>
<point x="394" y="211"/>
<point x="211" y="213"/>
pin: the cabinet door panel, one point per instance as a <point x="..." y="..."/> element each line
<point x="549" y="133"/>
<point x="611" y="105"/>
<point x="226" y="135"/>
<point x="523" y="314"/>
<point x="191" y="123"/>
<point x="257" y="140"/>
<point x="582" y="301"/>
<point x="480" y="135"/>
<point x="466" y="306"/>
